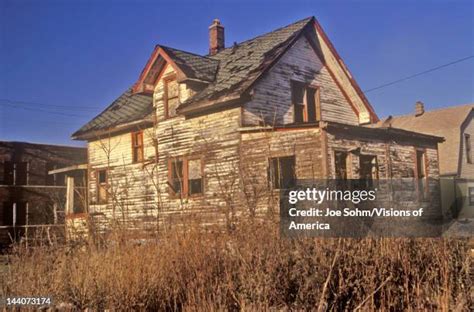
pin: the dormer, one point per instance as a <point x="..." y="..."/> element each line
<point x="192" y="69"/>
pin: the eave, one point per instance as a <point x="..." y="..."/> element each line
<point x="98" y="134"/>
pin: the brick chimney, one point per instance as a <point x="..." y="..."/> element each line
<point x="419" y="108"/>
<point x="216" y="37"/>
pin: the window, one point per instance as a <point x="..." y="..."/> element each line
<point x="281" y="172"/>
<point x="340" y="165"/>
<point x="421" y="173"/>
<point x="368" y="169"/>
<point x="14" y="215"/>
<point x="467" y="139"/>
<point x="195" y="176"/>
<point x="137" y="146"/>
<point x="102" y="186"/>
<point x="171" y="96"/>
<point x="15" y="173"/>
<point x="185" y="176"/>
<point x="176" y="169"/>
<point x="306" y="102"/>
<point x="471" y="196"/>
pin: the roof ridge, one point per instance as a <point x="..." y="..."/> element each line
<point x="432" y="111"/>
<point x="309" y="18"/>
<point x="192" y="53"/>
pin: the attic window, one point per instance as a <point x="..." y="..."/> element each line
<point x="306" y="102"/>
<point x="171" y="96"/>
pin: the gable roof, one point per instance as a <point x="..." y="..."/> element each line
<point x="127" y="108"/>
<point x="226" y="77"/>
<point x="444" y="122"/>
<point x="241" y="64"/>
<point x="192" y="65"/>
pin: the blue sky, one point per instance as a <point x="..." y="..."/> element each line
<point x="70" y="59"/>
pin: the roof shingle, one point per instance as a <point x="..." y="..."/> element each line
<point x="127" y="108"/>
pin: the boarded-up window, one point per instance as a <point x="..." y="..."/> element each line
<point x="281" y="172"/>
<point x="137" y="146"/>
<point x="102" y="183"/>
<point x="176" y="176"/>
<point x="306" y="102"/>
<point x="194" y="176"/>
<point x="467" y="140"/>
<point x="171" y="96"/>
<point x="368" y="169"/>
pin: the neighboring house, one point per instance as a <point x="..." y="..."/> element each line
<point x="456" y="163"/>
<point x="213" y="136"/>
<point x="29" y="196"/>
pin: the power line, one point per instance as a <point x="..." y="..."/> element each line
<point x="47" y="105"/>
<point x="419" y="74"/>
<point x="42" y="110"/>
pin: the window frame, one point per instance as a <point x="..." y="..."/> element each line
<point x="374" y="176"/>
<point x="185" y="187"/>
<point x="467" y="142"/>
<point x="99" y="185"/>
<point x="137" y="147"/>
<point x="14" y="173"/>
<point x="424" y="193"/>
<point x="305" y="118"/>
<point x="166" y="98"/>
<point x="272" y="177"/>
<point x="347" y="164"/>
<point x="470" y="197"/>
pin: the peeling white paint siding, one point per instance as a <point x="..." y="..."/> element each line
<point x="271" y="101"/>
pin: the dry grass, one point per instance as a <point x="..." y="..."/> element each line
<point x="250" y="269"/>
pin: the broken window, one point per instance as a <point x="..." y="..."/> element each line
<point x="137" y="146"/>
<point x="102" y="183"/>
<point x="306" y="102"/>
<point x="467" y="139"/>
<point x="176" y="172"/>
<point x="281" y="172"/>
<point x="194" y="176"/>
<point x="340" y="165"/>
<point x="15" y="173"/>
<point x="171" y="96"/>
<point x="185" y="176"/>
<point x="368" y="169"/>
<point x="421" y="174"/>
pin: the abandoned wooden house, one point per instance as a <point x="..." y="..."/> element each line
<point x="212" y="136"/>
<point x="31" y="198"/>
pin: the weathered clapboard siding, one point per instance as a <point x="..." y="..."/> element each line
<point x="271" y="102"/>
<point x="396" y="160"/>
<point x="140" y="192"/>
<point x="258" y="147"/>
